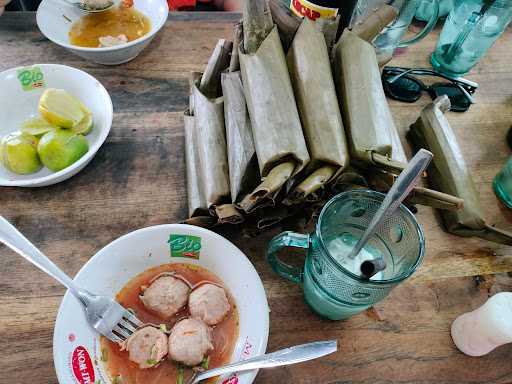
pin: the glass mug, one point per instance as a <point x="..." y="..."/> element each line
<point x="392" y="36"/>
<point x="470" y="30"/>
<point x="332" y="285"/>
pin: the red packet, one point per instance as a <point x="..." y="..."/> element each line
<point x="175" y="5"/>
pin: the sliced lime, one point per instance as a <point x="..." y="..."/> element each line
<point x="61" y="108"/>
<point x="37" y="126"/>
<point x="85" y="126"/>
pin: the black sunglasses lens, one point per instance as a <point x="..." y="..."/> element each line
<point x="458" y="99"/>
<point x="403" y="89"/>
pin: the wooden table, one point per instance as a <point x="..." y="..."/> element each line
<point x="137" y="179"/>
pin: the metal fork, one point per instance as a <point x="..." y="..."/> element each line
<point x="104" y="314"/>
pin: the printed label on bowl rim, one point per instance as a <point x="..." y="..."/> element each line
<point x="81" y="362"/>
<point x="31" y="78"/>
<point x="185" y="246"/>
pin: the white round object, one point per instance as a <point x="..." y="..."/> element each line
<point x="53" y="24"/>
<point x="479" y="332"/>
<point x="18" y="104"/>
<point x="76" y="346"/>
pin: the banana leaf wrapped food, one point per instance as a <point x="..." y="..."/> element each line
<point x="277" y="131"/>
<point x="373" y="138"/>
<point x="196" y="200"/>
<point x="419" y="195"/>
<point x="375" y="22"/>
<point x="210" y="136"/>
<point x="286" y="21"/>
<point x="243" y="163"/>
<point x="449" y="173"/>
<point x="366" y="112"/>
<point x="315" y="93"/>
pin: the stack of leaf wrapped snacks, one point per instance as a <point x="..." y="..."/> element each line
<point x="285" y="117"/>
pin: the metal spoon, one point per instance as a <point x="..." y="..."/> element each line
<point x="401" y="188"/>
<point x="81" y="5"/>
<point x="288" y="356"/>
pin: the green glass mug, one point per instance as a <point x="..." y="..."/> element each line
<point x="332" y="284"/>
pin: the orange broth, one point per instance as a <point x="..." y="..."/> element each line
<point x="86" y="31"/>
<point x="224" y="334"/>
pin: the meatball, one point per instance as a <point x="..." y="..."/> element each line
<point x="111" y="41"/>
<point x="209" y="303"/>
<point x="189" y="342"/>
<point x="166" y="295"/>
<point x="147" y="346"/>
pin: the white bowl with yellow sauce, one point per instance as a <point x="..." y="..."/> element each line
<point x="56" y="19"/>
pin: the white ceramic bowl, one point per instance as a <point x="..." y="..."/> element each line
<point x="17" y="105"/>
<point x="55" y="27"/>
<point x="76" y="350"/>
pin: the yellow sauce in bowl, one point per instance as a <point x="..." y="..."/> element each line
<point x="86" y="31"/>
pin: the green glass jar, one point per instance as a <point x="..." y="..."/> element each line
<point x="502" y="184"/>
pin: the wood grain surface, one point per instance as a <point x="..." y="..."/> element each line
<point x="137" y="179"/>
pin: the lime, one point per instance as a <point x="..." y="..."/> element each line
<point x="18" y="153"/>
<point x="60" y="148"/>
<point x="61" y="108"/>
<point x="37" y="126"/>
<point x="85" y="126"/>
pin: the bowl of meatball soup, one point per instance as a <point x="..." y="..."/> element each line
<point x="202" y="303"/>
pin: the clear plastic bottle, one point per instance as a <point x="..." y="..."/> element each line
<point x="470" y="30"/>
<point x="486" y="328"/>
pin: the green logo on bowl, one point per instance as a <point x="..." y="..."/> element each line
<point x="31" y="78"/>
<point x="185" y="246"/>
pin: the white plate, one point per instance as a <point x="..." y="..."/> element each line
<point x="53" y="24"/>
<point x="76" y="346"/>
<point x="17" y="105"/>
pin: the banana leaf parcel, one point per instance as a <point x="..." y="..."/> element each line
<point x="418" y="195"/>
<point x="211" y="147"/>
<point x="210" y="137"/>
<point x="277" y="131"/>
<point x="311" y="76"/>
<point x="366" y="114"/>
<point x="449" y="173"/>
<point x="243" y="163"/>
<point x="196" y="201"/>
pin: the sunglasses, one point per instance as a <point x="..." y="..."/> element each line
<point x="400" y="84"/>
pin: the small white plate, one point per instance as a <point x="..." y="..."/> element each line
<point x="76" y="350"/>
<point x="17" y="104"/>
<point x="54" y="19"/>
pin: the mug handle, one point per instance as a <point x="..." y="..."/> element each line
<point x="284" y="240"/>
<point x="428" y="28"/>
